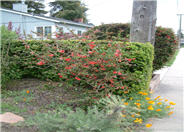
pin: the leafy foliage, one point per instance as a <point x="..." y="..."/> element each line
<point x="100" y="66"/>
<point x="165" y="40"/>
<point x="78" y="121"/>
<point x="117" y="115"/>
<point x="7" y="72"/>
<point x="118" y="31"/>
<point x="165" y="46"/>
<point x="69" y="10"/>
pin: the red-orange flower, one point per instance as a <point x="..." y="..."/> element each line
<point x="68" y="59"/>
<point x="61" y="51"/>
<point x="51" y="55"/>
<point x="27" y="92"/>
<point x="68" y="68"/>
<point x="92" y="46"/>
<point x="77" y="78"/>
<point x="90" y="52"/>
<point x="119" y="73"/>
<point x="40" y="63"/>
<point x="92" y="62"/>
<point x="129" y="60"/>
<point x="109" y="44"/>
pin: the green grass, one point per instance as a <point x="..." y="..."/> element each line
<point x="8" y="107"/>
<point x="172" y="59"/>
<point x="18" y="96"/>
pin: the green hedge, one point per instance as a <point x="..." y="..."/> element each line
<point x="165" y="40"/>
<point x="165" y="46"/>
<point x="101" y="66"/>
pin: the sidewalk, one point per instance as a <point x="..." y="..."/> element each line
<point x="172" y="88"/>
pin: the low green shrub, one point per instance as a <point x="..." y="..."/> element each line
<point x="117" y="115"/>
<point x="100" y="66"/>
<point x="165" y="40"/>
<point x="78" y="121"/>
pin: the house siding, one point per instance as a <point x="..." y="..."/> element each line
<point x="28" y="24"/>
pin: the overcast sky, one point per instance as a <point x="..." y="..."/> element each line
<point x="120" y="11"/>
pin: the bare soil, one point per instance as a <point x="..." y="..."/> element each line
<point x="45" y="96"/>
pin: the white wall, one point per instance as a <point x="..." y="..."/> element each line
<point x="28" y="24"/>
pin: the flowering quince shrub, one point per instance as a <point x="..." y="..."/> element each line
<point x="100" y="66"/>
<point x="165" y="40"/>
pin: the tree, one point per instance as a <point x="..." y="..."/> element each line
<point x="143" y="21"/>
<point x="70" y="10"/>
<point x="35" y="7"/>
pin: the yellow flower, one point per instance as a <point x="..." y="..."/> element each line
<point x="140" y="92"/>
<point x="144" y="93"/>
<point x="172" y="103"/>
<point x="166" y="100"/>
<point x="123" y="115"/>
<point x="151" y="102"/>
<point x="147" y="98"/>
<point x="137" y="100"/>
<point x="159" y="103"/>
<point x="160" y="99"/>
<point x="126" y="103"/>
<point x="148" y="125"/>
<point x="150" y="107"/>
<point x="157" y="97"/>
<point x="133" y="116"/>
<point x="158" y="110"/>
<point x="137" y="120"/>
<point x="168" y="107"/>
<point x="138" y="104"/>
<point x="170" y="113"/>
<point x="131" y="98"/>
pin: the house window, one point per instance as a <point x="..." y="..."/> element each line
<point x="47" y="31"/>
<point x="79" y="32"/>
<point x="39" y="31"/>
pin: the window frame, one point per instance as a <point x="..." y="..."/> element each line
<point x="39" y="34"/>
<point x="45" y="31"/>
<point x="79" y="32"/>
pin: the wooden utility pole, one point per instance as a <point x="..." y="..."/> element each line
<point x="179" y="33"/>
<point x="143" y="21"/>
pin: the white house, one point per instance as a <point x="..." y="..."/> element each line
<point x="34" y="25"/>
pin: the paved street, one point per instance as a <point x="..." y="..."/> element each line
<point x="172" y="88"/>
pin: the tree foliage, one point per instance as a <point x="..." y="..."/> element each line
<point x="69" y="10"/>
<point x="35" y="7"/>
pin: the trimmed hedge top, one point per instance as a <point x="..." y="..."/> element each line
<point x="165" y="40"/>
<point x="101" y="66"/>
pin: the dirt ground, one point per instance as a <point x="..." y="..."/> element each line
<point x="27" y="96"/>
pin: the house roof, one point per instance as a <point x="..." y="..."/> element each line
<point x="53" y="19"/>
